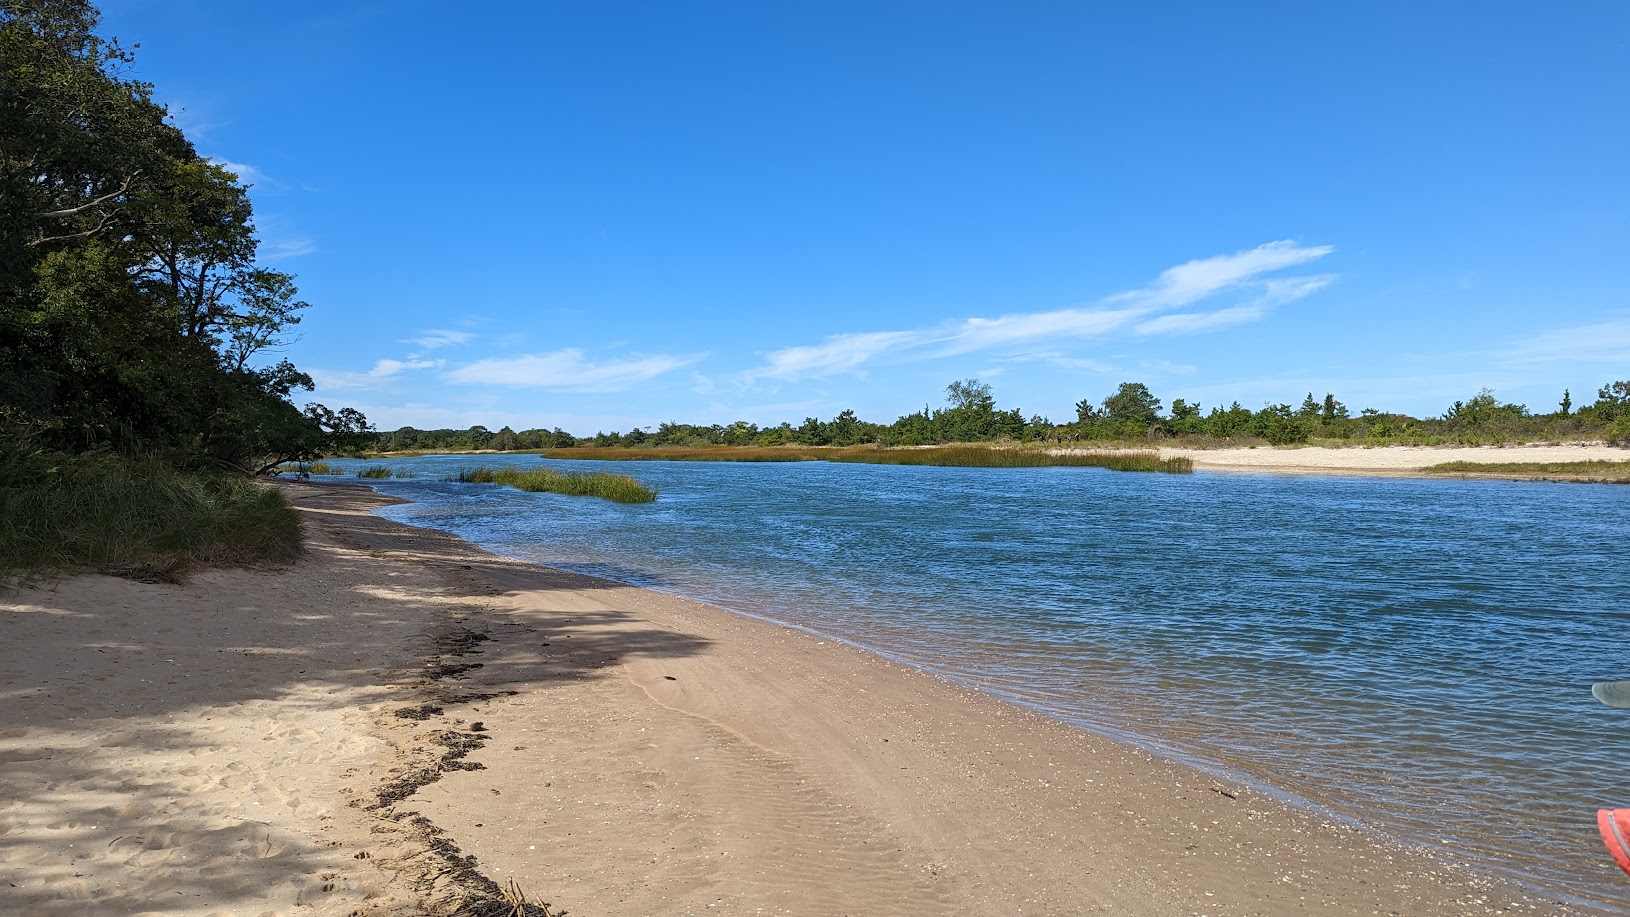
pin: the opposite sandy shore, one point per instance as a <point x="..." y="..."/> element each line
<point x="259" y="742"/>
<point x="1390" y="461"/>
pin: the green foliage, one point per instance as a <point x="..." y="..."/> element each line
<point x="132" y="310"/>
<point x="1132" y="403"/>
<point x="619" y="488"/>
<point x="1483" y="410"/>
<point x="1128" y="415"/>
<point x="374" y="472"/>
<point x="1279" y="426"/>
<point x="99" y="512"/>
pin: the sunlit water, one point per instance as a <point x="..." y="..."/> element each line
<point x="1414" y="654"/>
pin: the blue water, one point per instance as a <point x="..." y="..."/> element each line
<point x="1414" y="654"/>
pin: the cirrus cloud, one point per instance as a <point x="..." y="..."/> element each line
<point x="1176" y="287"/>
<point x="567" y="370"/>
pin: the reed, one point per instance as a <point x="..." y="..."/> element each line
<point x="965" y="456"/>
<point x="375" y="472"/>
<point x="323" y="468"/>
<point x="146" y="520"/>
<point x="1595" y="470"/>
<point x="693" y="453"/>
<point x="619" y="488"/>
<point x="998" y="457"/>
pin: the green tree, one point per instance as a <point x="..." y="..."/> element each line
<point x="1332" y="410"/>
<point x="1133" y="402"/>
<point x="970" y="395"/>
<point x="1280" y="426"/>
<point x="132" y="312"/>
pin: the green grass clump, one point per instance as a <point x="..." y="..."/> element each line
<point x="619" y="488"/>
<point x="1594" y="470"/>
<point x="320" y="467"/>
<point x="374" y="472"/>
<point x="143" y="518"/>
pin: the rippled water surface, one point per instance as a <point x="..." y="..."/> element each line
<point x="1415" y="654"/>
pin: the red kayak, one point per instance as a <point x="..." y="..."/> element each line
<point x="1615" y="827"/>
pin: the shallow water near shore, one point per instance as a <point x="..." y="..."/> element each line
<point x="1413" y="654"/>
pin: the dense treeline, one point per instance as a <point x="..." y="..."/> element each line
<point x="135" y="324"/>
<point x="1131" y="412"/>
<point x="134" y="315"/>
<point x="411" y="439"/>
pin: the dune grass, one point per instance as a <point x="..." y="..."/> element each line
<point x="619" y="488"/>
<point x="146" y="520"/>
<point x="964" y="455"/>
<point x="1594" y="470"/>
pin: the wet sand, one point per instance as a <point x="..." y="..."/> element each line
<point x="223" y="746"/>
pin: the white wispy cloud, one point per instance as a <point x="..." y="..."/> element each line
<point x="1278" y="292"/>
<point x="247" y="174"/>
<point x="1600" y="342"/>
<point x="283" y="249"/>
<point x="382" y="371"/>
<point x="838" y="353"/>
<point x="1195" y="280"/>
<point x="1176" y="287"/>
<point x="567" y="370"/>
<point x="440" y="337"/>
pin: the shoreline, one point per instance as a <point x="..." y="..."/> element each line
<point x="658" y="756"/>
<point x="1400" y="461"/>
<point x="1391" y="461"/>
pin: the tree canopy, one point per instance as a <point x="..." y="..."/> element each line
<point x="133" y="312"/>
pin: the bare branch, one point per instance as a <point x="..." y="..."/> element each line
<point x="101" y="225"/>
<point x="89" y="205"/>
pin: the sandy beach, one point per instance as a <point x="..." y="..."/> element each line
<point x="401" y="722"/>
<point x="1388" y="461"/>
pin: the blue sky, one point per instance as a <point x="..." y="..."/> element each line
<point x="598" y="215"/>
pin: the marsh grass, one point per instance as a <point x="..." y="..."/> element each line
<point x="145" y="520"/>
<point x="619" y="488"/>
<point x="693" y="453"/>
<point x="964" y="456"/>
<point x="987" y="457"/>
<point x="323" y="468"/>
<point x="374" y="472"/>
<point x="1594" y="470"/>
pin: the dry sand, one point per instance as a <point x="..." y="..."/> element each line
<point x="1387" y="461"/>
<point x="220" y="747"/>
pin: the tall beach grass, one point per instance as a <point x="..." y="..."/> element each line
<point x="146" y="519"/>
<point x="619" y="488"/>
<point x="1592" y="470"/>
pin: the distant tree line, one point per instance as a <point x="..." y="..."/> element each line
<point x="1131" y="412"/>
<point x="412" y="439"/>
